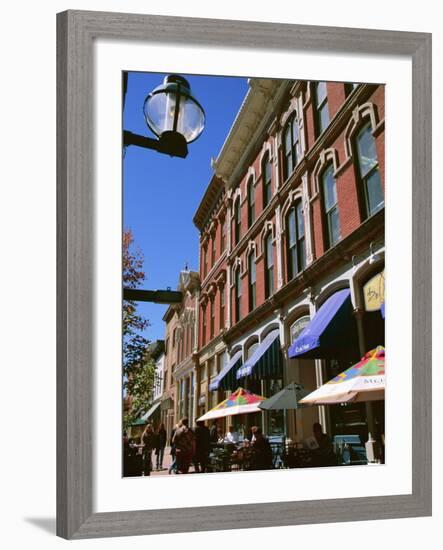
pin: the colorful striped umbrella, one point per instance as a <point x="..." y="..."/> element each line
<point x="239" y="402"/>
<point x="364" y="381"/>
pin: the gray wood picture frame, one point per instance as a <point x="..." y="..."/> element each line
<point x="76" y="32"/>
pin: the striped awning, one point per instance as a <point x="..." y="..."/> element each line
<point x="266" y="361"/>
<point x="331" y="333"/>
<point x="226" y="379"/>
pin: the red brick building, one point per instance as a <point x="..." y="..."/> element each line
<point x="293" y="214"/>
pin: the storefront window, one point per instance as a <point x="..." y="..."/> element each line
<point x="345" y="418"/>
<point x="275" y="423"/>
<point x="203" y="372"/>
<point x="212" y="368"/>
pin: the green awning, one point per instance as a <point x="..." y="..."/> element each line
<point x="145" y="418"/>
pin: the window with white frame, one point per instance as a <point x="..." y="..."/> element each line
<point x="369" y="171"/>
<point x="251" y="201"/>
<point x="295" y="238"/>
<point x="321" y="109"/>
<point x="330" y="206"/>
<point x="237" y="221"/>
<point x="267" y="180"/>
<point x="252" y="278"/>
<point x="269" y="265"/>
<point x="291" y="141"/>
<point x="237" y="296"/>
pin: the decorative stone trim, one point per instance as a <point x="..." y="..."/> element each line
<point x="325" y="157"/>
<point x="293" y="197"/>
<point x="221" y="279"/>
<point x="359" y="114"/>
<point x="343" y="167"/>
<point x="379" y="128"/>
<point x="268" y="226"/>
<point x="291" y="111"/>
<point x="212" y="290"/>
<point x="266" y="148"/>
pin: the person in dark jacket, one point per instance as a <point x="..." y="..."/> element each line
<point x="161" y="444"/>
<point x="324" y="454"/>
<point x="184" y="441"/>
<point x="173" y="466"/>
<point x="149" y="443"/>
<point x="261" y="450"/>
<point x="202" y="447"/>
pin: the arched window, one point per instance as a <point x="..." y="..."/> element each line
<point x="212" y="312"/>
<point x="251" y="202"/>
<point x="368" y="170"/>
<point x="213" y="250"/>
<point x="237" y="221"/>
<point x="329" y="192"/>
<point x="251" y="348"/>
<point x="266" y="169"/>
<point x="291" y="145"/>
<point x="222" y="307"/>
<point x="223" y="235"/>
<point x="204" y="325"/>
<point x="237" y="297"/>
<point x="205" y="261"/>
<point x="269" y="265"/>
<point x="321" y="107"/>
<point x="252" y="281"/>
<point x="295" y="239"/>
<point x="298" y="327"/>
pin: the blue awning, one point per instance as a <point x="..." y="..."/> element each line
<point x="226" y="379"/>
<point x="332" y="332"/>
<point x="266" y="361"/>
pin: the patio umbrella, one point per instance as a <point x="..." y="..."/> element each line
<point x="364" y="381"/>
<point x="287" y="398"/>
<point x="240" y="402"/>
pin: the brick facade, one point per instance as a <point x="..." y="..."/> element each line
<point x="319" y="152"/>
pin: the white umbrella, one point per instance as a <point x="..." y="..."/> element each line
<point x="364" y="381"/>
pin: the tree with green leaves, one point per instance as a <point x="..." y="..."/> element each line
<point x="138" y="366"/>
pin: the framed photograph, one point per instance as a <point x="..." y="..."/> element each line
<point x="237" y="202"/>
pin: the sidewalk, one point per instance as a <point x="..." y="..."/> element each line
<point x="167" y="461"/>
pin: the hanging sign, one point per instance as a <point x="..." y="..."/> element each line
<point x="374" y="292"/>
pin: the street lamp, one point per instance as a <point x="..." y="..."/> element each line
<point x="176" y="118"/>
<point x="173" y="115"/>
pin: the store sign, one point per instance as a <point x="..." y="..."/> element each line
<point x="374" y="292"/>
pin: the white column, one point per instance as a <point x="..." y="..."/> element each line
<point x="307" y="217"/>
<point x="278" y="247"/>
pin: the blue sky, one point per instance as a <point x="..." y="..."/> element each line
<point x="162" y="193"/>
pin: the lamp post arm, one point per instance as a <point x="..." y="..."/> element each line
<point x="156" y="296"/>
<point x="170" y="143"/>
<point x="141" y="141"/>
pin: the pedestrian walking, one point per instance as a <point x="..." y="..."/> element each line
<point x="184" y="441"/>
<point x="202" y="447"/>
<point x="173" y="466"/>
<point x="161" y="444"/>
<point x="148" y="441"/>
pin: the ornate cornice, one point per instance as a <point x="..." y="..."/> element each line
<point x="251" y="120"/>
